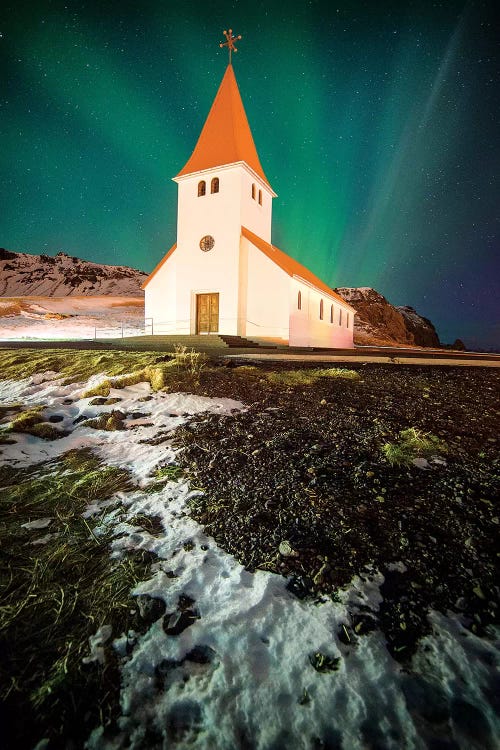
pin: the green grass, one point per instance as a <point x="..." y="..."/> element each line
<point x="171" y="472"/>
<point x="54" y="596"/>
<point x="107" y="421"/>
<point x="411" y="444"/>
<point x="309" y="377"/>
<point x="32" y="422"/>
<point x="73" y="365"/>
<point x="122" y="368"/>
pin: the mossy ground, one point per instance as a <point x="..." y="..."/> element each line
<point x="304" y="463"/>
<point x="122" y="367"/>
<point x="54" y="596"/>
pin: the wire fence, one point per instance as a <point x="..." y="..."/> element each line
<point x="154" y="327"/>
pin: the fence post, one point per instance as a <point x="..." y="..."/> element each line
<point x="122" y="328"/>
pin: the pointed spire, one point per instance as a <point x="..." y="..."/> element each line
<point x="226" y="136"/>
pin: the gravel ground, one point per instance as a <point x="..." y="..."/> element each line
<point x="298" y="484"/>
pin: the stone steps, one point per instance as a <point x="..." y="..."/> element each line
<point x="237" y="342"/>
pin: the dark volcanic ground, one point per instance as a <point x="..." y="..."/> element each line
<point x="304" y="464"/>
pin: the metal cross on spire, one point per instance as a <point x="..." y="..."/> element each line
<point x="229" y="43"/>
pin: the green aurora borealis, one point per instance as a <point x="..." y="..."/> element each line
<point x="376" y="123"/>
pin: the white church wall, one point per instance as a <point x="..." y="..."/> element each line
<point x="160" y="300"/>
<point x="255" y="216"/>
<point x="217" y="270"/>
<point x="268" y="290"/>
<point x="299" y="317"/>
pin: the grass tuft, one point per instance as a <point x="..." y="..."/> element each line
<point x="413" y="443"/>
<point x="309" y="377"/>
<point x="46" y="431"/>
<point x="171" y="472"/>
<point x="188" y="359"/>
<point x="31" y="422"/>
<point x="56" y="595"/>
<point x="101" y="389"/>
<point x="107" y="421"/>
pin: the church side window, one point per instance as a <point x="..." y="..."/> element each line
<point x="347" y="320"/>
<point x="214" y="187"/>
<point x="299" y="301"/>
<point x="253" y="190"/>
<point x="340" y="317"/>
<point x="260" y="197"/>
<point x="331" y="314"/>
<point x="202" y="188"/>
<point x="321" y="310"/>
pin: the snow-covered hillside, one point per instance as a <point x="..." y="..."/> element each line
<point x="85" y="317"/>
<point x="22" y="274"/>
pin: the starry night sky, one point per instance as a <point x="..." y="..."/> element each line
<point x="376" y="123"/>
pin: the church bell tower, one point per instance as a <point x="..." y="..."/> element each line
<point x="221" y="189"/>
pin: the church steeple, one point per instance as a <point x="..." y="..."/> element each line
<point x="226" y="137"/>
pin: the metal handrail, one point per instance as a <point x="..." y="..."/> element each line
<point x="173" y="325"/>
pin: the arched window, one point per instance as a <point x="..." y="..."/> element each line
<point x="260" y="197"/>
<point x="340" y="317"/>
<point x="347" y="320"/>
<point x="253" y="190"/>
<point x="331" y="314"/>
<point x="321" y="310"/>
<point x="214" y="186"/>
<point x="299" y="301"/>
<point x="202" y="188"/>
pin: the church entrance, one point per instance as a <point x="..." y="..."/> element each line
<point x="207" y="313"/>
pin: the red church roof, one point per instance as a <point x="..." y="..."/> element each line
<point x="226" y="136"/>
<point x="290" y="266"/>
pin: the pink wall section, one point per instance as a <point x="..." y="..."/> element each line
<point x="306" y="327"/>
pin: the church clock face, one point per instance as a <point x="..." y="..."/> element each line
<point x="207" y="243"/>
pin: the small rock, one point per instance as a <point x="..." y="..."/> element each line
<point x="150" y="608"/>
<point x="286" y="549"/>
<point x="39" y="523"/>
<point x="421" y="463"/>
<point x="44" y="539"/>
<point x="363" y="623"/>
<point x="477" y="590"/>
<point x="176" y="623"/>
<point x="305" y="698"/>
<point x="81" y="418"/>
<point x="56" y="418"/>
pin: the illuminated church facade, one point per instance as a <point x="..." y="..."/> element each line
<point x="223" y="275"/>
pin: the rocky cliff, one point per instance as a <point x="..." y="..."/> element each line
<point x="380" y="323"/>
<point x="22" y="274"/>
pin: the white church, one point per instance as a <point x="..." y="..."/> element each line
<point x="223" y="276"/>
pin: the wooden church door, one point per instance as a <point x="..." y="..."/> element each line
<point x="207" y="313"/>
